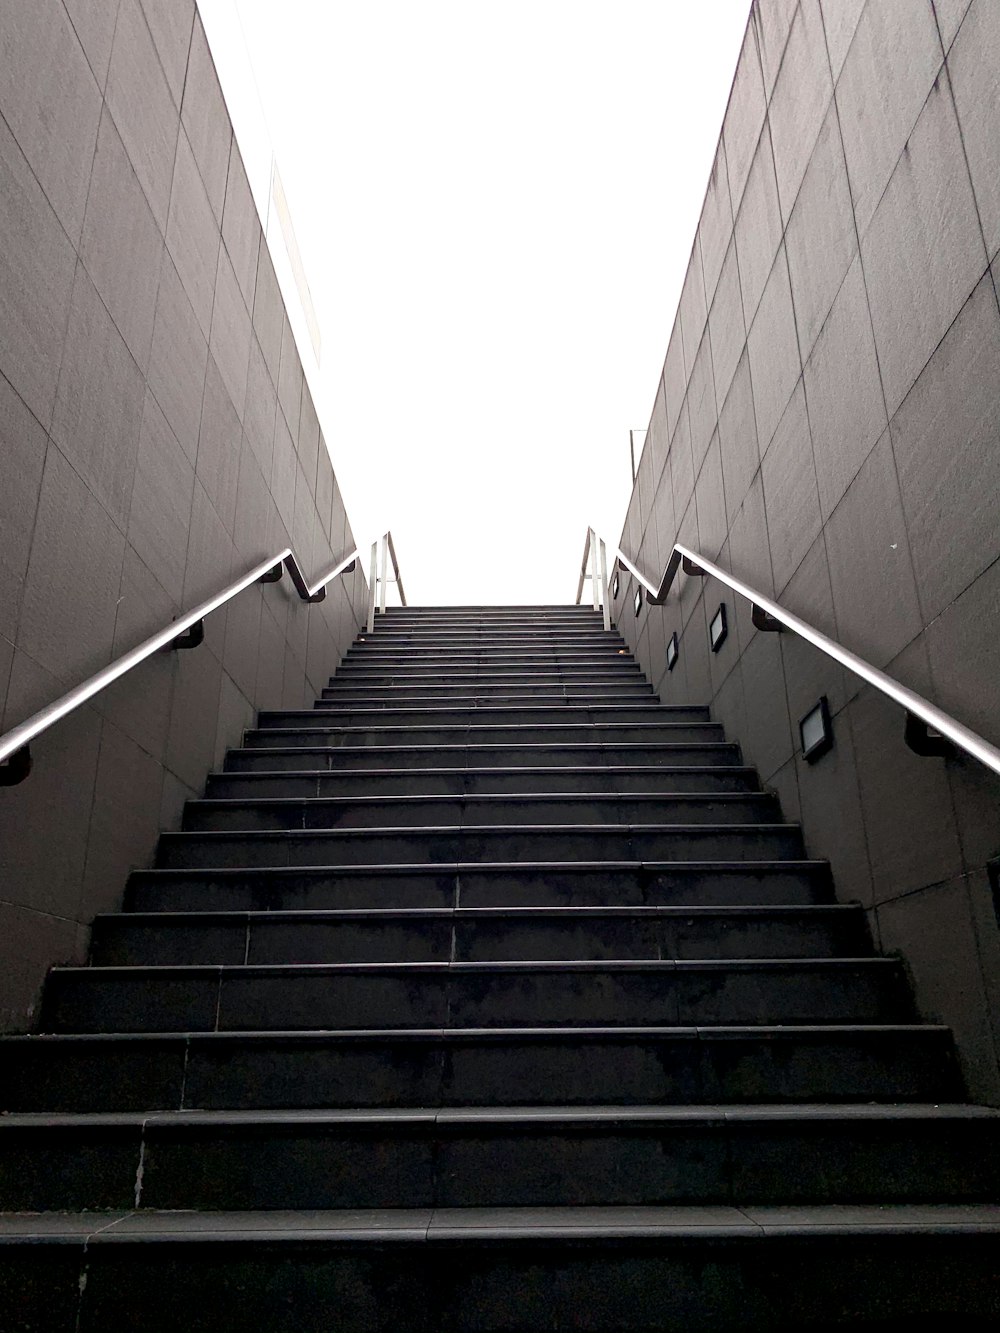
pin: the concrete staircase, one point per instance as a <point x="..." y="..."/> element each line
<point x="490" y="994"/>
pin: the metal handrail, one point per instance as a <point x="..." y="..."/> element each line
<point x="187" y="632"/>
<point x="928" y="728"/>
<point x="595" y="549"/>
<point x="377" y="582"/>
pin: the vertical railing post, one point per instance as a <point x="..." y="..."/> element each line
<point x="385" y="570"/>
<point x="593" y="568"/>
<point x="372" y="582"/>
<point x="605" y="601"/>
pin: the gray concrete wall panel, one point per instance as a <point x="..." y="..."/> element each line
<point x="157" y="437"/>
<point x="834" y="439"/>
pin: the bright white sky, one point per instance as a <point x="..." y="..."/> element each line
<point x="495" y="202"/>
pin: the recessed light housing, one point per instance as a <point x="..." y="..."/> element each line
<point x="614" y="586"/>
<point x="673" y="651"/>
<point x="719" y="628"/>
<point x="816" y="731"/>
<point x="638" y="600"/>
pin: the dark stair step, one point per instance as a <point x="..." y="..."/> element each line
<point x="319" y="731"/>
<point x="472" y="694"/>
<point x="491" y="642"/>
<point x="705" y="884"/>
<point x="479" y="781"/>
<point x="503" y="699"/>
<point x="327" y="713"/>
<point x="420" y="811"/>
<point x="486" y="843"/>
<point x="533" y="615"/>
<point x="540" y="631"/>
<point x="478" y="655"/>
<point x="591" y="623"/>
<point x="576" y="1066"/>
<point x="477" y="935"/>
<point x="605" y="658"/>
<point x="603" y="671"/>
<point x="418" y="757"/>
<point x="502" y="1157"/>
<point x="479" y="692"/>
<point x="408" y="995"/>
<point x="675" y="1269"/>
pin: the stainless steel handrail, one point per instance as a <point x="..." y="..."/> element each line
<point x="377" y="582"/>
<point x="595" y="549"/>
<point x="187" y="632"/>
<point x="769" y="615"/>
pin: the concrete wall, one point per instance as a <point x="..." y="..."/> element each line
<point x="156" y="439"/>
<point x="827" y="426"/>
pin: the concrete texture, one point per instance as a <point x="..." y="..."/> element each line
<point x="158" y="439"/>
<point x="830" y="435"/>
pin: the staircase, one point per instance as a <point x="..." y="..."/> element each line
<point x="490" y="994"/>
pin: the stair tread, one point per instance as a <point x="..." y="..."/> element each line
<point x="721" y="1032"/>
<point x="417" y="914"/>
<point x="487" y="798"/>
<point x="382" y="829"/>
<point x="609" y="1115"/>
<point x="531" y="965"/>
<point x="342" y="752"/>
<point x="417" y="1224"/>
<point x="479" y="771"/>
<point x="555" y="727"/>
<point x="650" y="707"/>
<point x="498" y="867"/>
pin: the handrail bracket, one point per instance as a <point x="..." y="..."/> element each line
<point x="191" y="638"/>
<point x="922" y="739"/>
<point x="763" y="620"/>
<point x="16" y="768"/>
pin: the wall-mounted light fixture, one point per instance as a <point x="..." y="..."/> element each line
<point x="614" y="586"/>
<point x="638" y="600"/>
<point x="816" y="731"/>
<point x="673" y="651"/>
<point x="719" y="628"/>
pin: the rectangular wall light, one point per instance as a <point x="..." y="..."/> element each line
<point x="719" y="628"/>
<point x="673" y="651"/>
<point x="638" y="600"/>
<point x="614" y="586"/>
<point x="816" y="731"/>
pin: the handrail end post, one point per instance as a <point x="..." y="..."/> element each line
<point x="372" y="587"/>
<point x="605" y="600"/>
